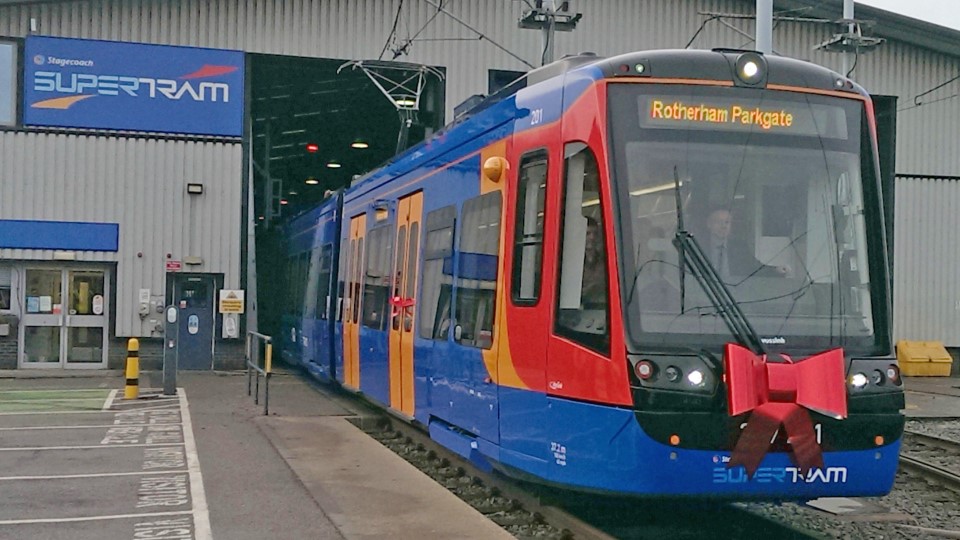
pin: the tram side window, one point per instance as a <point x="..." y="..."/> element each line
<point x="323" y="281"/>
<point x="303" y="270"/>
<point x="376" y="287"/>
<point x="348" y="260"/>
<point x="311" y="307"/>
<point x="342" y="278"/>
<point x="357" y="282"/>
<point x="528" y="230"/>
<point x="296" y="278"/>
<point x="477" y="271"/>
<point x="583" y="312"/>
<point x="434" y="311"/>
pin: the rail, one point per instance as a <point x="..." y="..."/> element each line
<point x="256" y="343"/>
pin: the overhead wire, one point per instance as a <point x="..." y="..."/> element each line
<point x="405" y="47"/>
<point x="393" y="31"/>
<point x="918" y="103"/>
<point x="480" y="34"/>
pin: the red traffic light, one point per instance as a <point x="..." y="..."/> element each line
<point x="313" y="147"/>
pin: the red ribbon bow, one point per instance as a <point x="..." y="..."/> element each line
<point x="777" y="394"/>
<point x="401" y="305"/>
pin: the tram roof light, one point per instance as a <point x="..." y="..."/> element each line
<point x="750" y="68"/>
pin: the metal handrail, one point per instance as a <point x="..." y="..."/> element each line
<point x="253" y="365"/>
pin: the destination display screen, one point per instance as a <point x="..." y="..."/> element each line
<point x="731" y="114"/>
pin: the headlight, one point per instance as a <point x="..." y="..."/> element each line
<point x="676" y="372"/>
<point x="869" y="375"/>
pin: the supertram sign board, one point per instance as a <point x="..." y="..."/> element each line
<point x="80" y="83"/>
<point x="764" y="116"/>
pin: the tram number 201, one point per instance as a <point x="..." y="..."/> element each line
<point x="817" y="429"/>
<point x="536" y="116"/>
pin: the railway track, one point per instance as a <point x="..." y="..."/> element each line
<point x="934" y="458"/>
<point x="529" y="511"/>
<point x="534" y="511"/>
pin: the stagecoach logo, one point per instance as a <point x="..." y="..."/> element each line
<point x="781" y="475"/>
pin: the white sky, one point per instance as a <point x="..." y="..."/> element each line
<point x="942" y="12"/>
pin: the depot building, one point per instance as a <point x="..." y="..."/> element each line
<point x="150" y="150"/>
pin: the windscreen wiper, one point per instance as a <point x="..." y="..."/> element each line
<point x="691" y="254"/>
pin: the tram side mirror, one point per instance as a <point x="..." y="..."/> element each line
<point x="457" y="332"/>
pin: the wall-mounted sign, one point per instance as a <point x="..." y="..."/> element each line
<point x="173" y="266"/>
<point x="8" y="83"/>
<point x="81" y="83"/>
<point x="231" y="301"/>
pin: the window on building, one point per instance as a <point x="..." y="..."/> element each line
<point x="528" y="230"/>
<point x="583" y="312"/>
<point x="437" y="274"/>
<point x="8" y="84"/>
<point x="6" y="298"/>
<point x="478" y="261"/>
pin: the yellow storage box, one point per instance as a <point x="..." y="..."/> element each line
<point x="923" y="359"/>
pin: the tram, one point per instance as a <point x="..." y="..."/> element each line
<point x="662" y="273"/>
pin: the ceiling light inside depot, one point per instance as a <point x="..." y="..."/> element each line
<point x="311" y="181"/>
<point x="333" y="165"/>
<point x="360" y="144"/>
<point x="405" y="102"/>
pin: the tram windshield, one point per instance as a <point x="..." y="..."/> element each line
<point x="770" y="187"/>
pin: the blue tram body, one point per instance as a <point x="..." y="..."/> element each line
<point x="450" y="285"/>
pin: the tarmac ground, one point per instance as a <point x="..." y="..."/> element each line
<point x="77" y="461"/>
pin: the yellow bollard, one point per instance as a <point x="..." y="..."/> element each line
<point x="132" y="389"/>
<point x="268" y="365"/>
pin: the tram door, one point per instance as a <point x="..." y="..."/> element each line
<point x="351" y="316"/>
<point x="403" y="301"/>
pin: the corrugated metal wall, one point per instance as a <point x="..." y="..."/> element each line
<point x="926" y="287"/>
<point x="355" y="29"/>
<point x="140" y="184"/>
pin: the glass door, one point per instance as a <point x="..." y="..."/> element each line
<point x="42" y="318"/>
<point x="85" y="321"/>
<point x="65" y="320"/>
